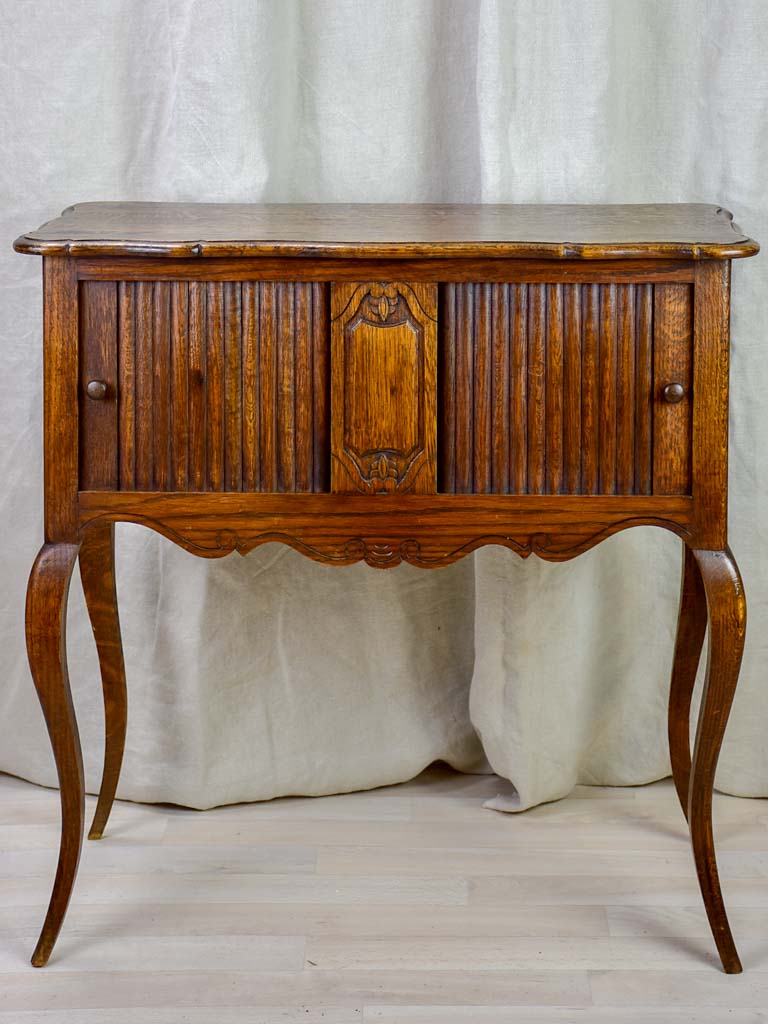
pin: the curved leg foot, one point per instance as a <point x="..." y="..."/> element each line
<point x="691" y="627"/>
<point x="727" y="609"/>
<point x="46" y="645"/>
<point x="97" y="571"/>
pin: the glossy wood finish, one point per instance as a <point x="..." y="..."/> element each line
<point x="558" y="374"/>
<point x="672" y="357"/>
<point x="98" y="358"/>
<point x="211" y="386"/>
<point x="693" y="231"/>
<point x="691" y="629"/>
<point x="727" y="608"/>
<point x="560" y="353"/>
<point x="438" y="269"/>
<point x="711" y="319"/>
<point x="342" y="529"/>
<point x="552" y="389"/>
<point x="46" y="647"/>
<point x="383" y="388"/>
<point x="97" y="573"/>
<point x="60" y="404"/>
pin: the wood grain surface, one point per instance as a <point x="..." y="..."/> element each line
<point x="544" y="388"/>
<point x="548" y="231"/>
<point x="46" y="613"/>
<point x="424" y="530"/>
<point x="211" y="386"/>
<point x="689" y="640"/>
<point x="552" y="389"/>
<point x="97" y="573"/>
<point x="673" y="362"/>
<point x="383" y="388"/>
<point x="727" y="608"/>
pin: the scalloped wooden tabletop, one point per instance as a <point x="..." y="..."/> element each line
<point x="687" y="231"/>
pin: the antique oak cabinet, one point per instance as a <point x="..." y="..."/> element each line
<point x="393" y="384"/>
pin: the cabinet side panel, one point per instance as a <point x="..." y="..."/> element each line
<point x="60" y="393"/>
<point x="710" y="402"/>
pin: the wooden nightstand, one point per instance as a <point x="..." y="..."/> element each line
<point x="387" y="383"/>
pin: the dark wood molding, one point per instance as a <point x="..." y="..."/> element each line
<point x="424" y="530"/>
<point x="439" y="270"/>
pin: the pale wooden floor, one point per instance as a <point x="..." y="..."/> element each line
<point x="409" y="904"/>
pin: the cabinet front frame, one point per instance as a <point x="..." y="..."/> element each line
<point x="426" y="530"/>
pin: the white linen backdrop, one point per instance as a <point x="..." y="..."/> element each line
<point x="254" y="678"/>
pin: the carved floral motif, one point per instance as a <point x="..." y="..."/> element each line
<point x="387" y="554"/>
<point x="382" y="301"/>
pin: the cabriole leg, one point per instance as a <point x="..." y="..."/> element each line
<point x="46" y="645"/>
<point x="97" y="571"/>
<point x="727" y="610"/>
<point x="691" y="627"/>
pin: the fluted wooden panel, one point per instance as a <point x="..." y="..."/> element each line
<point x="555" y="389"/>
<point x="543" y="388"/>
<point x="217" y="386"/>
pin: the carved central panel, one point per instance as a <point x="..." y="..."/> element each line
<point x="383" y="388"/>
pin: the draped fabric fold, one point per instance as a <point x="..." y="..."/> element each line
<point x="255" y="678"/>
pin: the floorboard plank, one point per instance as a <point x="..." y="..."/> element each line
<point x="411" y="904"/>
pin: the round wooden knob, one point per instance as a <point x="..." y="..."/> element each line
<point x="673" y="393"/>
<point x="96" y="389"/>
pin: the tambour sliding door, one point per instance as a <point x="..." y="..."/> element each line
<point x="484" y="388"/>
